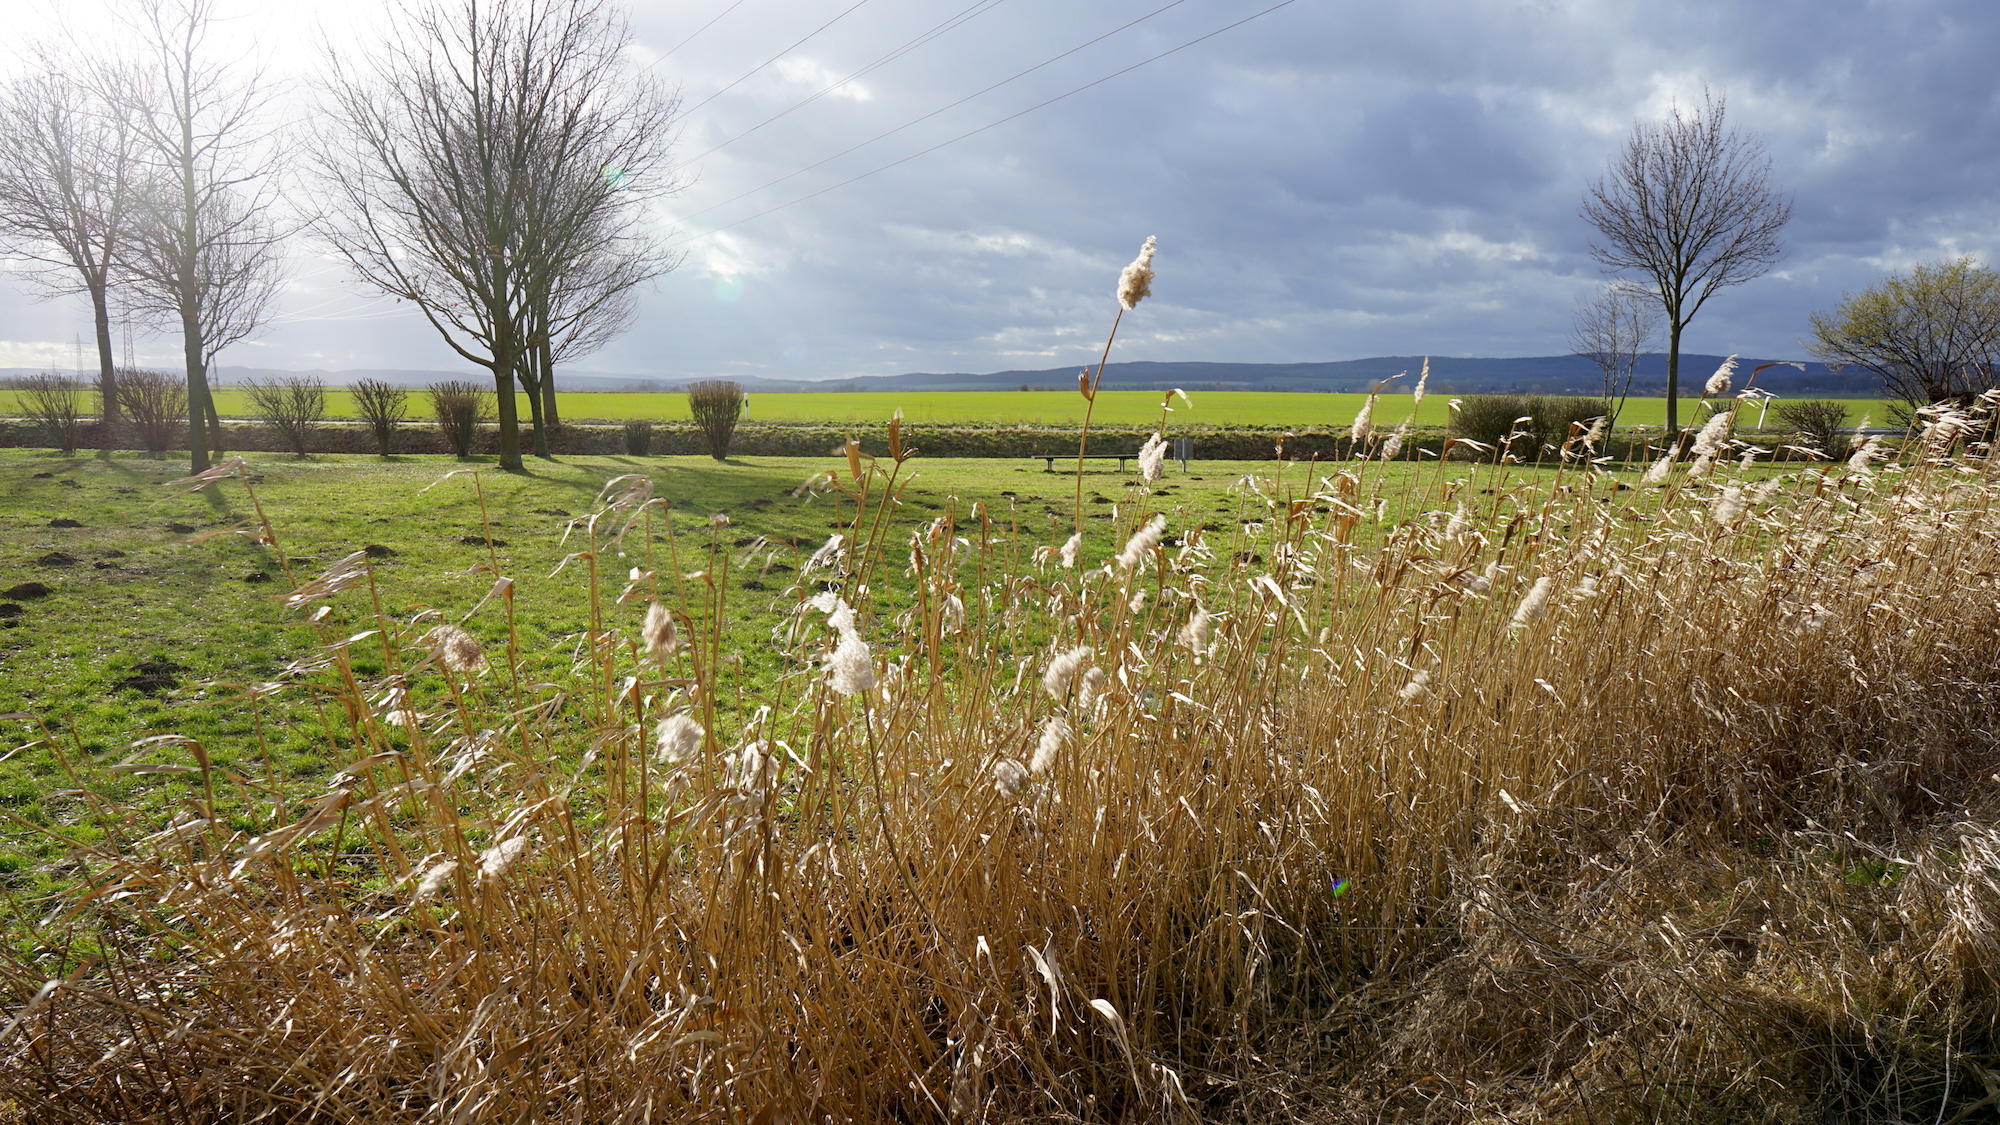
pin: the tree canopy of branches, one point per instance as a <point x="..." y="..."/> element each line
<point x="1612" y="329"/>
<point x="1688" y="206"/>
<point x="67" y="167"/>
<point x="489" y="165"/>
<point x="1932" y="335"/>
<point x="205" y="255"/>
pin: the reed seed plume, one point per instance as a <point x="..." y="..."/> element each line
<point x="1055" y="732"/>
<point x="1062" y="672"/>
<point x="1069" y="549"/>
<point x="456" y="649"/>
<point x="850" y="670"/>
<point x="1135" y="283"/>
<point x="496" y="861"/>
<point x="1713" y="433"/>
<point x="1660" y="469"/>
<point x="434" y="880"/>
<point x="1364" y="420"/>
<point x="1143" y="543"/>
<point x="1417" y="392"/>
<point x="1009" y="777"/>
<point x="1152" y="459"/>
<point x="1195" y="634"/>
<point x="1418" y="687"/>
<point x="1718" y="383"/>
<point x="677" y="738"/>
<point x="661" y="635"/>
<point x="1535" y="605"/>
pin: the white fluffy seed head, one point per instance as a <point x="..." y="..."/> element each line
<point x="1153" y="459"/>
<point x="1142" y="543"/>
<point x="678" y="737"/>
<point x="1135" y="283"/>
<point x="1062" y="670"/>
<point x="662" y="637"/>
<point x="1729" y="507"/>
<point x="1718" y="383"/>
<point x="434" y="880"/>
<point x="1417" y="393"/>
<point x="1713" y="432"/>
<point x="1009" y="777"/>
<point x="1535" y="605"/>
<point x="1364" y="421"/>
<point x="1055" y="732"/>
<point x="456" y="649"/>
<point x="1195" y="634"/>
<point x="1457" y="525"/>
<point x="1090" y="687"/>
<point x="850" y="669"/>
<point x="1658" y="473"/>
<point x="494" y="861"/>
<point x="1069" y="550"/>
<point x="1394" y="444"/>
<point x="1862" y="456"/>
<point x="1418" y="687"/>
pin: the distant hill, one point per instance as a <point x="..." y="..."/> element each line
<point x="1564" y="375"/>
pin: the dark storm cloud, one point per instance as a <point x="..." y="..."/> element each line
<point x="1330" y="181"/>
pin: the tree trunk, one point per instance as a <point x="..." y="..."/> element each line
<point x="510" y="411"/>
<point x="199" y="407"/>
<point x="107" y="363"/>
<point x="532" y="384"/>
<point x="1673" y="378"/>
<point x="548" y="365"/>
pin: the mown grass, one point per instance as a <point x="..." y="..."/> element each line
<point x="1221" y="409"/>
<point x="158" y="576"/>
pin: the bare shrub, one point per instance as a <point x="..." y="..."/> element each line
<point x="1819" y="424"/>
<point x="383" y="408"/>
<point x="638" y="436"/>
<point x="54" y="403"/>
<point x="716" y="405"/>
<point x="292" y="405"/>
<point x="459" y="406"/>
<point x="155" y="406"/>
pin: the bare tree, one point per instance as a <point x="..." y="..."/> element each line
<point x="1689" y="207"/>
<point x="67" y="164"/>
<point x="468" y="172"/>
<point x="1932" y="335"/>
<point x="205" y="256"/>
<point x="1612" y="329"/>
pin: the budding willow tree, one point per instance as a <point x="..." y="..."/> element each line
<point x="489" y="164"/>
<point x="1689" y="208"/>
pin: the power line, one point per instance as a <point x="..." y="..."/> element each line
<point x="964" y="15"/>
<point x="697" y="31"/>
<point x="941" y="109"/>
<point x="774" y="58"/>
<point x="981" y="129"/>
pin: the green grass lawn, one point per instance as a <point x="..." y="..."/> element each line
<point x="1208" y="408"/>
<point x="156" y="584"/>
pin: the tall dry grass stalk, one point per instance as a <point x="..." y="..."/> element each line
<point x="1558" y="800"/>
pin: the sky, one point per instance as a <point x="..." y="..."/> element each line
<point x="1329" y="180"/>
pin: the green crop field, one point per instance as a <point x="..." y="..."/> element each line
<point x="1222" y="409"/>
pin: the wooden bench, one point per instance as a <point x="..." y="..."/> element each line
<point x="1049" y="462"/>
